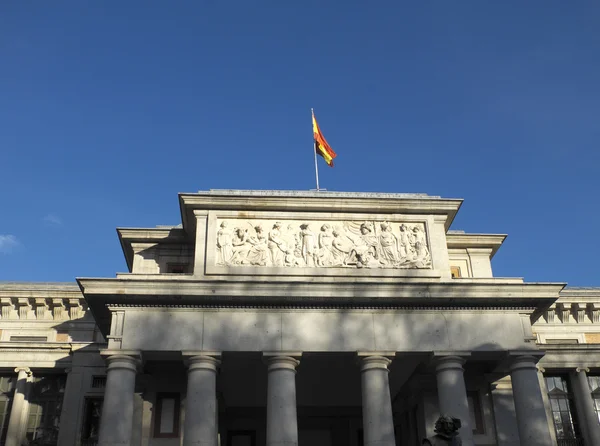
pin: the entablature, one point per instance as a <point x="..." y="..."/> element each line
<point x="533" y="298"/>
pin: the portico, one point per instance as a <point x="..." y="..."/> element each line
<point x="293" y="398"/>
<point x="313" y="319"/>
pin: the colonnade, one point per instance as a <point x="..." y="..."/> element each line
<point x="200" y="427"/>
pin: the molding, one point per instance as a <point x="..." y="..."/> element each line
<point x="186" y="354"/>
<point x="326" y="308"/>
<point x="291" y="354"/>
<point x="532" y="298"/>
<point x="129" y="236"/>
<point x="31" y="347"/>
<point x="47" y="290"/>
<point x="580" y="294"/>
<point x="473" y="241"/>
<point x="306" y="201"/>
<point x="330" y="287"/>
<point x="543" y="336"/>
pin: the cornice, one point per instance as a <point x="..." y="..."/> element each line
<point x="49" y="290"/>
<point x="305" y="201"/>
<point x="48" y="347"/>
<point x="127" y="236"/>
<point x="465" y="241"/>
<point x="580" y="294"/>
<point x="331" y="288"/>
<point x="328" y="308"/>
<point x="569" y="348"/>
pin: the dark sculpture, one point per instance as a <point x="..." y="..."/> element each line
<point x="446" y="432"/>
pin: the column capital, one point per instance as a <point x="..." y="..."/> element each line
<point x="524" y="362"/>
<point x="582" y="370"/>
<point x="449" y="361"/>
<point x="122" y="359"/>
<point x="278" y="361"/>
<point x="202" y="361"/>
<point x="374" y="362"/>
<point x="27" y="370"/>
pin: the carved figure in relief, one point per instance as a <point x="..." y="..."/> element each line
<point x="276" y="245"/>
<point x="364" y="253"/>
<point x="259" y="252"/>
<point x="240" y="246"/>
<point x="404" y="242"/>
<point x="389" y="245"/>
<point x="421" y="255"/>
<point x="350" y="245"/>
<point x="224" y="243"/>
<point x="324" y="255"/>
<point x="308" y="245"/>
<point x="340" y="248"/>
<point x="293" y="251"/>
<point x="418" y="235"/>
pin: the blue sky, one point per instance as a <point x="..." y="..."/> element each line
<point x="109" y="109"/>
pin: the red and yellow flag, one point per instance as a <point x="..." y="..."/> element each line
<point x="321" y="147"/>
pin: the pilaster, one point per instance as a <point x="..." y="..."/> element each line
<point x="201" y="237"/>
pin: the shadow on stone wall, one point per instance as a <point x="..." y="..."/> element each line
<point x="253" y="327"/>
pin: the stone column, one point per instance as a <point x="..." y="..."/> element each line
<point x="452" y="394"/>
<point x="583" y="396"/>
<point x="200" y="425"/>
<point x="547" y="405"/>
<point x="282" y="421"/>
<point x="117" y="409"/>
<point x="15" y="425"/>
<point x="378" y="422"/>
<point x="529" y="405"/>
<point x="70" y="418"/>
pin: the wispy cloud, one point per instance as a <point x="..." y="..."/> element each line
<point x="8" y="242"/>
<point x="53" y="220"/>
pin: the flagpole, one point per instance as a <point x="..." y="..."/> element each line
<point x="315" y="152"/>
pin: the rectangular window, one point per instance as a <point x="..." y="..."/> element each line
<point x="561" y="403"/>
<point x="98" y="382"/>
<point x="166" y="421"/>
<point x="455" y="271"/>
<point x="28" y="338"/>
<point x="594" y="382"/>
<point x="45" y="404"/>
<point x="562" y="341"/>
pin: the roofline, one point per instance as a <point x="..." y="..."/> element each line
<point x="127" y="236"/>
<point x="40" y="289"/>
<point x="309" y="201"/>
<point x="474" y="240"/>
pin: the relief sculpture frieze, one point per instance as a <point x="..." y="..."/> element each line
<point x="322" y="244"/>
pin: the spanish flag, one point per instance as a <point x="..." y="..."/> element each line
<point x="321" y="146"/>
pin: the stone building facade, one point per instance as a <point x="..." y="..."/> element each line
<point x="300" y="318"/>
